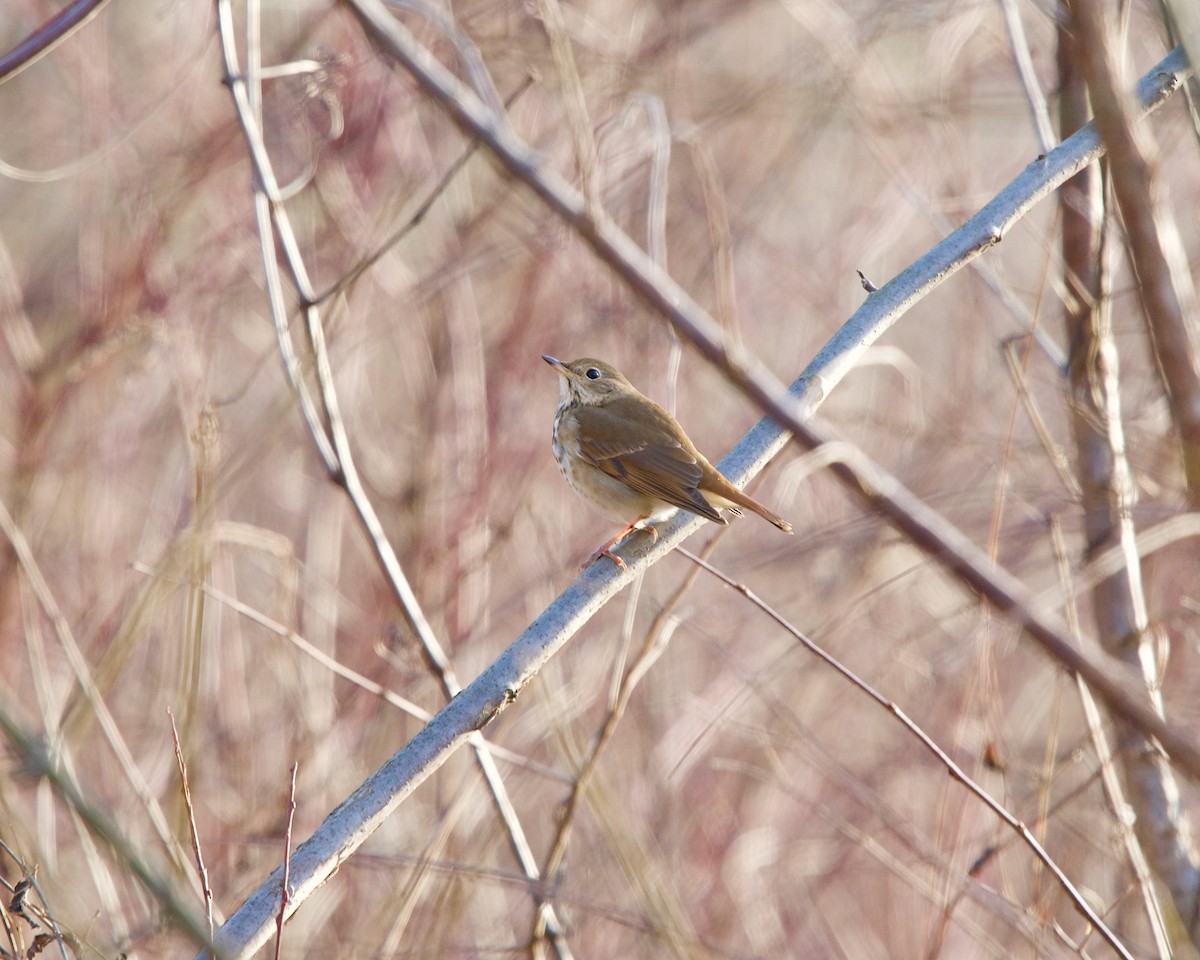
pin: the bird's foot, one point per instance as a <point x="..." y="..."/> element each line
<point x="611" y="556"/>
<point x="607" y="549"/>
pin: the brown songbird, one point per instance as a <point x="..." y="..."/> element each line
<point x="630" y="459"/>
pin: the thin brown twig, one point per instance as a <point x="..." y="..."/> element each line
<point x="197" y="852"/>
<point x="956" y="772"/>
<point x="1018" y="370"/>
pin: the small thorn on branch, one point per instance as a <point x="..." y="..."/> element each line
<point x="866" y="284"/>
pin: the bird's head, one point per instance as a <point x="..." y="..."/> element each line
<point x="589" y="381"/>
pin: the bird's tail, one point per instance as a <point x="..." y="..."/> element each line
<point x="730" y="498"/>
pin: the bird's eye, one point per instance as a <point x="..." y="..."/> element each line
<point x="592" y="373"/>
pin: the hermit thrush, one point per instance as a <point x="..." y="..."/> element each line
<point x="630" y="459"/>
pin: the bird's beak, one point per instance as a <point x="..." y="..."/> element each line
<point x="559" y="367"/>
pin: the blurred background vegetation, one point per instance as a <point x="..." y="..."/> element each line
<point x="750" y="804"/>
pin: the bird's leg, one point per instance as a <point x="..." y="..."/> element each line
<point x="606" y="550"/>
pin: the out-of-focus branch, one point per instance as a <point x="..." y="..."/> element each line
<point x="578" y="120"/>
<point x="48" y="36"/>
<point x="1024" y="62"/>
<point x="1168" y="292"/>
<point x="1122" y="622"/>
<point x="1183" y="26"/>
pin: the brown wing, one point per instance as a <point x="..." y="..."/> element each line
<point x="648" y="454"/>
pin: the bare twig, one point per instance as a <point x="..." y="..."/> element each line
<point x="185" y="787"/>
<point x="1112" y="560"/>
<point x="659" y="149"/>
<point x="1054" y="451"/>
<point x="390" y="697"/>
<point x="1183" y="27"/>
<point x="1024" y="61"/>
